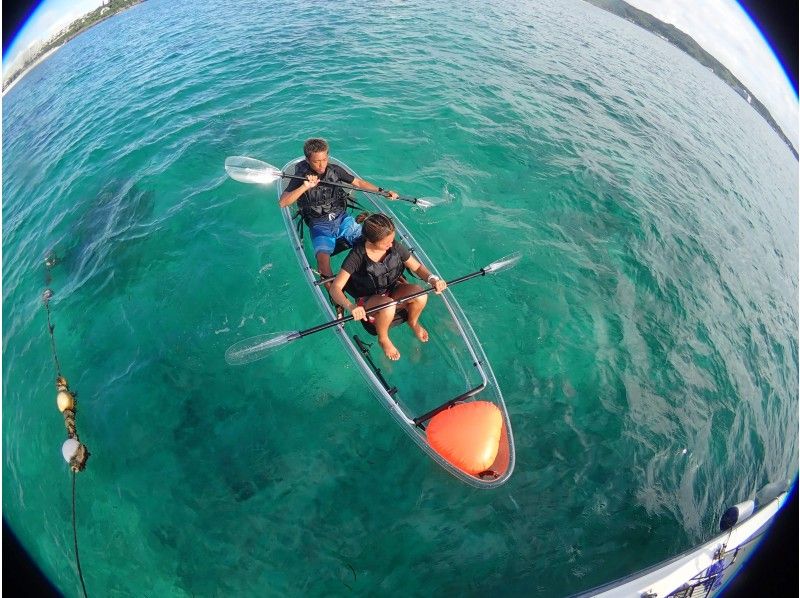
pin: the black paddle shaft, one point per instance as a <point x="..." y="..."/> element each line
<point x="331" y="183"/>
<point x="349" y="187"/>
<point x="338" y="321"/>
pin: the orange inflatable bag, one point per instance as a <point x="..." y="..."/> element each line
<point x="467" y="435"/>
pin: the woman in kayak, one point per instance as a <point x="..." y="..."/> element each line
<point x="372" y="273"/>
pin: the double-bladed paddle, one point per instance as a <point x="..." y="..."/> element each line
<point x="250" y="170"/>
<point x="257" y="347"/>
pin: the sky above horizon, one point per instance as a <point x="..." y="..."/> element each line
<point x="48" y="19"/>
<point x="725" y="31"/>
<point x="721" y="27"/>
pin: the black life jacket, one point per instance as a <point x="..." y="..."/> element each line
<point x="378" y="277"/>
<point x="323" y="202"/>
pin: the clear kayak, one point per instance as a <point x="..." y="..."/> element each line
<point x="448" y="375"/>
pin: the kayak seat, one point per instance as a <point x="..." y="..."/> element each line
<point x="400" y="316"/>
<point x="341" y="245"/>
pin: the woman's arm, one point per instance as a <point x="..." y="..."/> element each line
<point x="337" y="294"/>
<point x="422" y="272"/>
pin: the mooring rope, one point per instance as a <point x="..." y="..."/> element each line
<point x="46" y="298"/>
<point x="75" y="536"/>
<point x="75" y="453"/>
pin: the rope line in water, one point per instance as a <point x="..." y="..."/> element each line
<point x="75" y="536"/>
<point x="50" y="328"/>
<point x="74" y="451"/>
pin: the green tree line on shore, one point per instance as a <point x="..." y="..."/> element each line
<point x="101" y="13"/>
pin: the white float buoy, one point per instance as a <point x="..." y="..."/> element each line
<point x="70" y="448"/>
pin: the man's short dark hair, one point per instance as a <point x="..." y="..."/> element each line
<point x="314" y="145"/>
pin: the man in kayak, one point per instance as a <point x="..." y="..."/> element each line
<point x="372" y="273"/>
<point x="324" y="207"/>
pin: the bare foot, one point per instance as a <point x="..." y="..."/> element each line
<point x="389" y="348"/>
<point x="420" y="332"/>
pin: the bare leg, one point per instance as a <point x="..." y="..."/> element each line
<point x="324" y="269"/>
<point x="414" y="308"/>
<point x="324" y="266"/>
<point x="383" y="319"/>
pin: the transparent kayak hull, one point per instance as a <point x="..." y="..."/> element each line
<point x="452" y="365"/>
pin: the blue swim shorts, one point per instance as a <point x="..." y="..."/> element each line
<point x="324" y="234"/>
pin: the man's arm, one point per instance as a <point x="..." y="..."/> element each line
<point x="367" y="186"/>
<point x="290" y="196"/>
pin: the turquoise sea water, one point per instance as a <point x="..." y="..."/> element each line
<point x="646" y="346"/>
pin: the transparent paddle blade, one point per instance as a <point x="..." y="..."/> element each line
<point x="423" y="202"/>
<point x="504" y="263"/>
<point x="250" y="170"/>
<point x="257" y="347"/>
<point x="429" y="202"/>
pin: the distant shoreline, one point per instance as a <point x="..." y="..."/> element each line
<point x="38" y="61"/>
<point x="75" y="29"/>
<point x="688" y="45"/>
